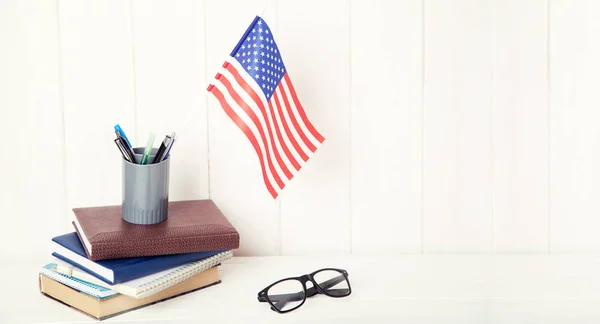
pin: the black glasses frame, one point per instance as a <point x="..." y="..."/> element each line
<point x="263" y="295"/>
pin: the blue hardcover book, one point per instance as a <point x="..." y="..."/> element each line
<point x="69" y="249"/>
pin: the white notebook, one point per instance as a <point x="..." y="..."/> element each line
<point x="151" y="284"/>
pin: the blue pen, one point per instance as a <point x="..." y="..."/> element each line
<point x="168" y="149"/>
<point x="121" y="133"/>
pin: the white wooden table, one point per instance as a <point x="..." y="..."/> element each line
<point x="404" y="289"/>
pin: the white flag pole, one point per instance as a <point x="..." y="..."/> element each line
<point x="263" y="10"/>
<point x="190" y="115"/>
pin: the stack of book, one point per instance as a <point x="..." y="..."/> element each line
<point x="108" y="266"/>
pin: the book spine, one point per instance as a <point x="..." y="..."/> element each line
<point x="134" y="249"/>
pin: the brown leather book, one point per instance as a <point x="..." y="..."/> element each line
<point x="192" y="226"/>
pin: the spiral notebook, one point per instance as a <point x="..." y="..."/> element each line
<point x="151" y="284"/>
<point x="96" y="291"/>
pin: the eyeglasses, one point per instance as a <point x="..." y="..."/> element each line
<point x="290" y="293"/>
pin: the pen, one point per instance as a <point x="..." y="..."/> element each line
<point x="119" y="131"/>
<point x="128" y="150"/>
<point x="124" y="151"/>
<point x="168" y="149"/>
<point x="148" y="149"/>
<point x="160" y="154"/>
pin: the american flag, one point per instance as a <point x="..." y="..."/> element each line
<point x="255" y="91"/>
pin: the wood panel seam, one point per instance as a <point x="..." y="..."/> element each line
<point x="351" y="240"/>
<point x="61" y="101"/>
<point x="422" y="127"/>
<point x="133" y="70"/>
<point x="549" y="134"/>
<point x="206" y="76"/>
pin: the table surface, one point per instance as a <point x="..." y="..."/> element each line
<point x="411" y="289"/>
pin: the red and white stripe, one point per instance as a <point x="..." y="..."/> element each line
<point x="279" y="130"/>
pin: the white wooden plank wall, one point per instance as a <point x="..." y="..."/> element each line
<point x="520" y="125"/>
<point x="386" y="116"/>
<point x="574" y="131"/>
<point x="32" y="171"/>
<point x="457" y="164"/>
<point x="451" y="126"/>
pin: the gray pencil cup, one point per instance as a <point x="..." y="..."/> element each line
<point x="145" y="190"/>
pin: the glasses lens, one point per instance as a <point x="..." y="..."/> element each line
<point x="286" y="295"/>
<point x="333" y="282"/>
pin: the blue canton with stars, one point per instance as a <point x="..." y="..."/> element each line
<point x="260" y="57"/>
